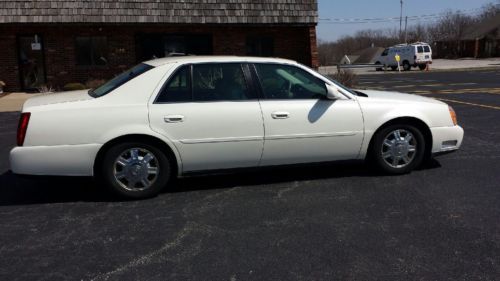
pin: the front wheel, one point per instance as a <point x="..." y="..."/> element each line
<point x="398" y="149"/>
<point x="135" y="170"/>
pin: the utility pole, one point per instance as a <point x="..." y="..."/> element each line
<point x="401" y="20"/>
<point x="406" y="30"/>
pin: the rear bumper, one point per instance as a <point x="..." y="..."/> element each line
<point x="61" y="160"/>
<point x="446" y="139"/>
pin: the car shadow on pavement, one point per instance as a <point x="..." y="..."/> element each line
<point x="272" y="175"/>
<point x="15" y="190"/>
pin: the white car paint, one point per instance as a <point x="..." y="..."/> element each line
<point x="67" y="130"/>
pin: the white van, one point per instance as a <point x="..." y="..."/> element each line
<point x="412" y="55"/>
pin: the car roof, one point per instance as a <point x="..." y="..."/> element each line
<point x="212" y="59"/>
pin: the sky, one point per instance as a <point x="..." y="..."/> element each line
<point x="370" y="9"/>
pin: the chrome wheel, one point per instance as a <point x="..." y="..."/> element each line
<point x="136" y="169"/>
<point x="399" y="148"/>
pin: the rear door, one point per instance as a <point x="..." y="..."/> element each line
<point x="301" y="124"/>
<point x="212" y="115"/>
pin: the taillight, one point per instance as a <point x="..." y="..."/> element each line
<point x="22" y="127"/>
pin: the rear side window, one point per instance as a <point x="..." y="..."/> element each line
<point x="178" y="88"/>
<point x="206" y="82"/>
<point x="420" y="49"/>
<point x="216" y="82"/>
<point x="120" y="80"/>
<point x="427" y="49"/>
<point x="289" y="82"/>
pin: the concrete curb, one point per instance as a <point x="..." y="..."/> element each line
<point x="13" y="102"/>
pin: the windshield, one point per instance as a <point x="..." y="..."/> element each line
<point x="119" y="80"/>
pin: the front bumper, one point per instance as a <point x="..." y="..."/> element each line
<point x="446" y="139"/>
<point x="60" y="160"/>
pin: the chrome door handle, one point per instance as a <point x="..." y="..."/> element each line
<point x="280" y="115"/>
<point x="173" y="118"/>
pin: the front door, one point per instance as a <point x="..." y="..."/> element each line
<point x="301" y="125"/>
<point x="31" y="64"/>
<point x="211" y="115"/>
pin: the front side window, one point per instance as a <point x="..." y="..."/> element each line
<point x="120" y="80"/>
<point x="91" y="51"/>
<point x="427" y="49"/>
<point x="385" y="53"/>
<point x="289" y="82"/>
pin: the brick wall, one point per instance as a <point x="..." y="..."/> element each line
<point x="293" y="42"/>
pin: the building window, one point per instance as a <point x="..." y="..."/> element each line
<point x="260" y="46"/>
<point x="151" y="46"/>
<point x="91" y="51"/>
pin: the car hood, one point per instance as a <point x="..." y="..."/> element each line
<point x="397" y="97"/>
<point x="62" y="97"/>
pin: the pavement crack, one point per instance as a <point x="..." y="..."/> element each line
<point x="147" y="258"/>
<point x="288" y="189"/>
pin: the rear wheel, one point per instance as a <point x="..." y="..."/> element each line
<point x="394" y="68"/>
<point x="406" y="65"/>
<point x="398" y="149"/>
<point x="422" y="66"/>
<point x="135" y="170"/>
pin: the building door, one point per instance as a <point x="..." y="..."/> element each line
<point x="31" y="63"/>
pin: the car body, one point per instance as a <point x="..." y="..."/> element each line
<point x="175" y="116"/>
<point x="411" y="55"/>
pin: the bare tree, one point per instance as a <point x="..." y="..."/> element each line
<point x="450" y="27"/>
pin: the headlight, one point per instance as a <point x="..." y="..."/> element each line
<point x="453" y="115"/>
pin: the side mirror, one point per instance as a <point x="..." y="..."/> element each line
<point x="333" y="93"/>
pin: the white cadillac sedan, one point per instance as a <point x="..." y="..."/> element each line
<point x="175" y="116"/>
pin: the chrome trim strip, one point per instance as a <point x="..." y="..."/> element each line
<point x="308" y="136"/>
<point x="275" y="137"/>
<point x="218" y="140"/>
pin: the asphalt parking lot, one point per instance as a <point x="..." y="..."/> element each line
<point x="331" y="222"/>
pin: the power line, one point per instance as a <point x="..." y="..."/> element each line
<point x="393" y="19"/>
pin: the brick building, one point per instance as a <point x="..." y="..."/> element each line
<point x="481" y="40"/>
<point x="55" y="42"/>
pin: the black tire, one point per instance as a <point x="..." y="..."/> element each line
<point x="422" y="66"/>
<point x="394" y="68"/>
<point x="378" y="149"/>
<point x="110" y="168"/>
<point x="406" y="65"/>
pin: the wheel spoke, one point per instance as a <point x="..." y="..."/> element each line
<point x="152" y="170"/>
<point x="388" y="143"/>
<point x="408" y="138"/>
<point x="122" y="161"/>
<point x="121" y="175"/>
<point x="145" y="182"/>
<point x="395" y="161"/>
<point x="397" y="135"/>
<point x="406" y="159"/>
<point x="387" y="154"/>
<point x="134" y="154"/>
<point x="147" y="158"/>
<point x="411" y="148"/>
